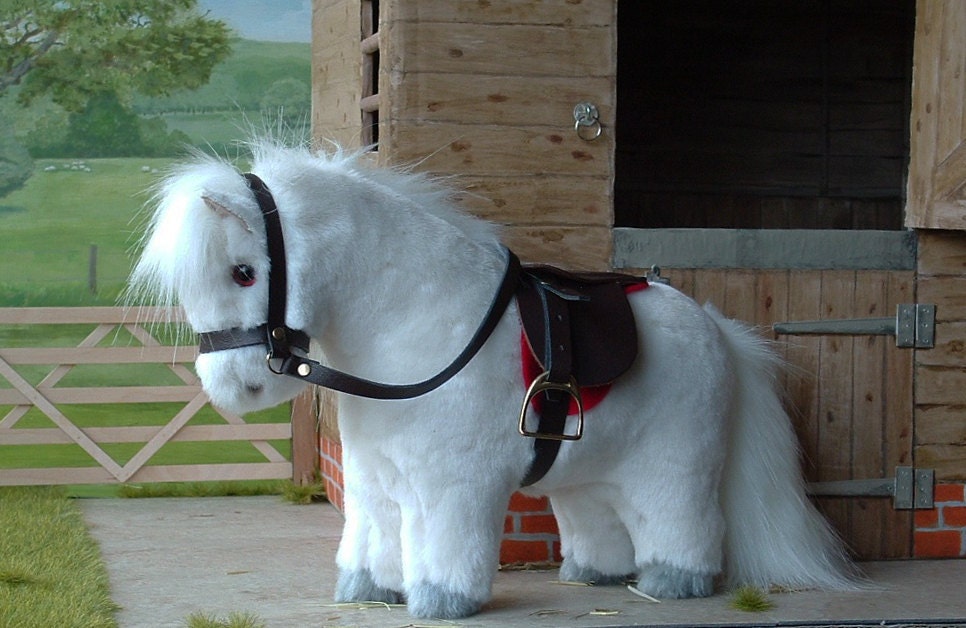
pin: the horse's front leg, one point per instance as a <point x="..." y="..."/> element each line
<point x="451" y="536"/>
<point x="369" y="556"/>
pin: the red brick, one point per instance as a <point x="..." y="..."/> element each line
<point x="949" y="493"/>
<point x="927" y="518"/>
<point x="508" y="525"/>
<point x="521" y="503"/>
<point x="538" y="524"/>
<point x="954" y="516"/>
<point x="938" y="544"/>
<point x="557" y="555"/>
<point x="512" y="551"/>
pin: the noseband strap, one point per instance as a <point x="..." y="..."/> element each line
<point x="280" y="339"/>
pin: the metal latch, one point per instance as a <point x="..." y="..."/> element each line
<point x="914" y="326"/>
<point x="911" y="489"/>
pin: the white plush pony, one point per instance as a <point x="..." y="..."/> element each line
<point x="687" y="470"/>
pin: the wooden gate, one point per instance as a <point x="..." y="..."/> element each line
<point x="94" y="420"/>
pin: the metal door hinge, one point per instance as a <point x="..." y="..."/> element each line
<point x="914" y="326"/>
<point x="911" y="489"/>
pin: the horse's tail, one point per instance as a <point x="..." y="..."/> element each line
<point x="774" y="535"/>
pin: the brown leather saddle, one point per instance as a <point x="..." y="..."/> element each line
<point x="581" y="329"/>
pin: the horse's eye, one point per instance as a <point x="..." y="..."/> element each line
<point x="243" y="275"/>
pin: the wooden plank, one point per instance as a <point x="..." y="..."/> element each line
<point x="214" y="472"/>
<point x="740" y="297"/>
<point x="924" y="120"/>
<point x="575" y="248"/>
<point x="868" y="386"/>
<point x="950" y="349"/>
<point x="709" y="287"/>
<point x="499" y="100"/>
<point x="835" y="395"/>
<point x="568" y="14"/>
<point x="102" y="394"/>
<point x="867" y="516"/>
<point x="99" y="355"/>
<point x="501" y="50"/>
<point x="937" y="385"/>
<point x="949" y="461"/>
<point x="803" y="354"/>
<point x="940" y="425"/>
<point x="501" y="151"/>
<point x="898" y="435"/>
<point x="947" y="293"/>
<point x="771" y="306"/>
<point x="85" y="315"/>
<point x="142" y="434"/>
<point x="166" y="473"/>
<point x="55" y="476"/>
<point x="942" y="253"/>
<point x="545" y="200"/>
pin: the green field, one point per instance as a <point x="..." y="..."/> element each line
<point x="49" y="226"/>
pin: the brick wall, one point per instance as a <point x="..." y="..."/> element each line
<point x="941" y="532"/>
<point x="330" y="468"/>
<point x="529" y="532"/>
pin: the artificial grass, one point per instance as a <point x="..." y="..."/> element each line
<point x="51" y="572"/>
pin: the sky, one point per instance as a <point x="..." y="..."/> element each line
<point x="264" y="20"/>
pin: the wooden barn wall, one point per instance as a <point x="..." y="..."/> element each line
<point x="941" y="372"/>
<point x="485" y="92"/>
<point x="336" y="72"/>
<point x="849" y="397"/>
<point x="936" y="206"/>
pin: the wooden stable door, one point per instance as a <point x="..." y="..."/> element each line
<point x="850" y="397"/>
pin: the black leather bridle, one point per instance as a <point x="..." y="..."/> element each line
<point x="280" y="340"/>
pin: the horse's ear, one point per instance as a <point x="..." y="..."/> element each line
<point x="224" y="212"/>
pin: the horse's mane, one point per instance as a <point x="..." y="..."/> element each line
<point x="151" y="283"/>
<point x="432" y="194"/>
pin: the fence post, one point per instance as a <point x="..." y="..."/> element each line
<point x="305" y="438"/>
<point x="92" y="269"/>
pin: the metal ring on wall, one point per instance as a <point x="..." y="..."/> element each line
<point x="587" y="124"/>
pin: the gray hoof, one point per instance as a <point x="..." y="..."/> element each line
<point x="358" y="586"/>
<point x="428" y="600"/>
<point x="570" y="571"/>
<point x="664" y="581"/>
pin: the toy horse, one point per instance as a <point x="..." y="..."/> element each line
<point x="685" y="474"/>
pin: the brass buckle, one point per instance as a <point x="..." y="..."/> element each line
<point x="541" y="384"/>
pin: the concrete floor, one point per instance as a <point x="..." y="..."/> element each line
<point x="169" y="558"/>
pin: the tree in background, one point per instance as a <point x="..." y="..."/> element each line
<point x="15" y="163"/>
<point x="73" y="51"/>
<point x="287" y="98"/>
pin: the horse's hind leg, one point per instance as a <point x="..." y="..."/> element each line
<point x="676" y="526"/>
<point x="594" y="542"/>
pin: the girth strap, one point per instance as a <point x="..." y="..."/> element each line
<point x="558" y="360"/>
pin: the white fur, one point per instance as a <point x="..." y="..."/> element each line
<point x="687" y="470"/>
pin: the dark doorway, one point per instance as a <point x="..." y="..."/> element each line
<point x="773" y="114"/>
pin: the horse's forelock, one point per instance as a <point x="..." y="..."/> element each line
<point x="184" y="236"/>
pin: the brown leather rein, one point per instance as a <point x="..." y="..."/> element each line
<point x="281" y="339"/>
